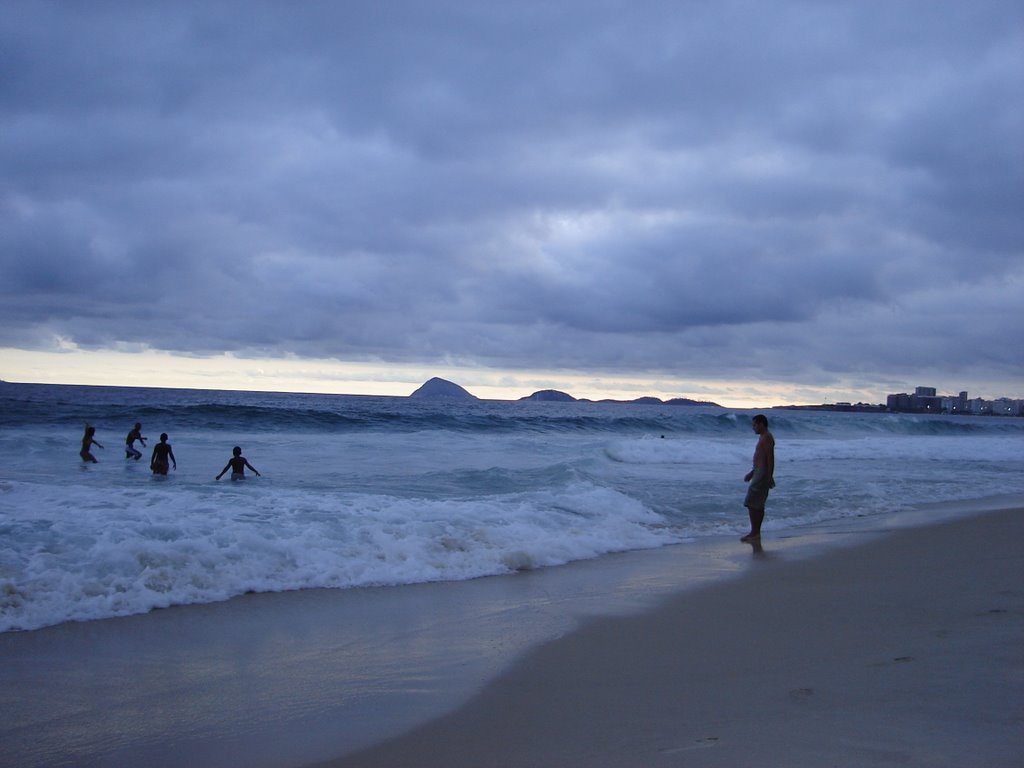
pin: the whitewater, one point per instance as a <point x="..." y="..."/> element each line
<point x="384" y="491"/>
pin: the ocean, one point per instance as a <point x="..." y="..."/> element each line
<point x="363" y="491"/>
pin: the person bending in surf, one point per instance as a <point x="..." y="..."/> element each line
<point x="161" y="453"/>
<point x="237" y="464"/>
<point x="88" y="441"/>
<point x="761" y="477"/>
<point x="130" y="451"/>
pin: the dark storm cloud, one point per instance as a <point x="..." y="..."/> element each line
<point x="702" y="188"/>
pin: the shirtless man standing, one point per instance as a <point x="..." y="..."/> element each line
<point x="761" y="477"/>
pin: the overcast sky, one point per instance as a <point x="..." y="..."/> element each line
<point x="812" y="196"/>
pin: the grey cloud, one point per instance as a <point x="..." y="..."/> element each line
<point x="660" y="186"/>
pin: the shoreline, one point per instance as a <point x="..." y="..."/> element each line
<point x="904" y="649"/>
<point x="289" y="679"/>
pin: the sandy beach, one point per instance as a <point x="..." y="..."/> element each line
<point x="908" y="650"/>
<point x="838" y="645"/>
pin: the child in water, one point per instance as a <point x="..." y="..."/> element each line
<point x="237" y="464"/>
<point x="161" y="453"/>
<point x="130" y="451"/>
<point x="87" y="442"/>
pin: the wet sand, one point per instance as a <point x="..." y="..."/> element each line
<point x="907" y="650"/>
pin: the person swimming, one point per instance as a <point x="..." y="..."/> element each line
<point x="161" y="453"/>
<point x="88" y="440"/>
<point x="130" y="451"/>
<point x="237" y="464"/>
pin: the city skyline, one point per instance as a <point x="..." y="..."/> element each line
<point x="928" y="400"/>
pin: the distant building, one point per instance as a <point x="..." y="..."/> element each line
<point x="900" y="402"/>
<point x="979" y="407"/>
<point x="956" y="404"/>
<point x="1006" y="406"/>
<point x="925" y="400"/>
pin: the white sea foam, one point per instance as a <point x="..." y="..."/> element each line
<point x="138" y="550"/>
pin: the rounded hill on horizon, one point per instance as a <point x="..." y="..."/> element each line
<point x="442" y="389"/>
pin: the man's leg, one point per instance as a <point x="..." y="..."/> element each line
<point x="756" y="518"/>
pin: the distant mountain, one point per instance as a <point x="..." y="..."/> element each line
<point x="658" y="401"/>
<point x="637" y="401"/>
<point x="688" y="401"/>
<point x="442" y="389"/>
<point x="550" y="395"/>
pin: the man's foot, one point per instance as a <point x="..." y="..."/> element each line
<point x="751" y="537"/>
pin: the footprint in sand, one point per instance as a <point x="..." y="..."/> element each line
<point x="710" y="741"/>
<point x="992" y="612"/>
<point x="896" y="660"/>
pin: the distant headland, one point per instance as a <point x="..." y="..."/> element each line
<point x="553" y="395"/>
<point x="924" y="400"/>
<point x="442" y="389"/>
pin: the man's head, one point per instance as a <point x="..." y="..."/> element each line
<point x="760" y="423"/>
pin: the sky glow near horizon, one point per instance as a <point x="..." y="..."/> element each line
<point x="748" y="203"/>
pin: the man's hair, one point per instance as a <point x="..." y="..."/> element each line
<point x="761" y="419"/>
